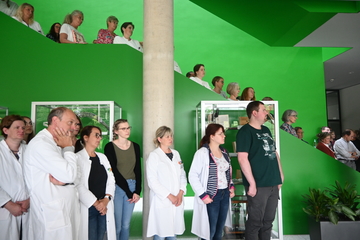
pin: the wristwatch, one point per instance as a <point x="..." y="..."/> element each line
<point x="108" y="196"/>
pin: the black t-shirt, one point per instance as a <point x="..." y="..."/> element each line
<point x="261" y="149"/>
<point x="97" y="178"/>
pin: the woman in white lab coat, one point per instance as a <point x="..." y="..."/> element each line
<point x="210" y="178"/>
<point x="96" y="186"/>
<point x="167" y="182"/>
<point x="14" y="198"/>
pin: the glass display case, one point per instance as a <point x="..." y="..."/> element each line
<point x="99" y="113"/>
<point x="232" y="115"/>
<point x="4" y="111"/>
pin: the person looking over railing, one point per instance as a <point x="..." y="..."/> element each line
<point x="25" y="15"/>
<point x="69" y="30"/>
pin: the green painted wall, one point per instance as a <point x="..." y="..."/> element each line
<point x="36" y="69"/>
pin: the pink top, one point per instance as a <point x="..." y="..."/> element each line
<point x="105" y="37"/>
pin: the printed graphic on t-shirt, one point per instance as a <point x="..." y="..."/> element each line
<point x="268" y="145"/>
<point x="78" y="38"/>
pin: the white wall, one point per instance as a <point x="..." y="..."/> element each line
<point x="350" y="107"/>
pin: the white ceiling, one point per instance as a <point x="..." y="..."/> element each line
<point x="343" y="30"/>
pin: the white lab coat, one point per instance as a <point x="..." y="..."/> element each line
<point x="198" y="178"/>
<point x="164" y="177"/>
<point x="12" y="187"/>
<point x="55" y="210"/>
<point x="87" y="198"/>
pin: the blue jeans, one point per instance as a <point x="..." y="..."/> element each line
<point x="97" y="224"/>
<point x="123" y="211"/>
<point x="261" y="213"/>
<point x="217" y="212"/>
<point x="156" y="237"/>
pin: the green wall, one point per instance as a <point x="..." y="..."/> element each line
<point x="36" y="69"/>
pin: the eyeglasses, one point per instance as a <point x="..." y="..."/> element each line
<point x="123" y="129"/>
<point x="28" y="123"/>
<point x="98" y="135"/>
<point x="293" y="115"/>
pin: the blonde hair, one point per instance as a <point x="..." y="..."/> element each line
<point x="19" y="12"/>
<point x="115" y="127"/>
<point x="160" y="132"/>
<point x="69" y="17"/>
<point x="111" y="19"/>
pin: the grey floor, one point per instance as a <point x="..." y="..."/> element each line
<point x="286" y="237"/>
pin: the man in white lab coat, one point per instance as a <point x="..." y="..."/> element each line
<point x="50" y="170"/>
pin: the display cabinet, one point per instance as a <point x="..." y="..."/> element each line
<point x="98" y="113"/>
<point x="232" y="115"/>
<point x="4" y="111"/>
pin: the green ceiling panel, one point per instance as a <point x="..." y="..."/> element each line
<point x="277" y="23"/>
<point x="329" y="6"/>
<point x="330" y="52"/>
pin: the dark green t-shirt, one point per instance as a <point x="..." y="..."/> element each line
<point x="260" y="146"/>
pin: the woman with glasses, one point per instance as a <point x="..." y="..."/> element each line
<point x="289" y="117"/>
<point x="124" y="157"/>
<point x="77" y="130"/>
<point x="29" y="131"/>
<point x="96" y="187"/>
<point x="210" y="178"/>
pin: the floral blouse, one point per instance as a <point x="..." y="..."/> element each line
<point x="105" y="37"/>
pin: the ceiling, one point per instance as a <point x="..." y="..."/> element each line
<point x="333" y="25"/>
<point x="342" y="30"/>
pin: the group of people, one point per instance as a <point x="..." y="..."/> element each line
<point x="232" y="89"/>
<point x="55" y="190"/>
<point x="345" y="149"/>
<point x="51" y="189"/>
<point x="68" y="31"/>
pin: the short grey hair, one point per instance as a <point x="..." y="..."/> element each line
<point x="286" y="115"/>
<point x="231" y="87"/>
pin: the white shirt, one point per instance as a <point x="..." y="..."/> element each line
<point x="87" y="198"/>
<point x="73" y="34"/>
<point x="177" y="67"/>
<point x="34" y="26"/>
<point x="132" y="43"/>
<point x="8" y="10"/>
<point x="12" y="187"/>
<point x="201" y="82"/>
<point x="223" y="166"/>
<point x="165" y="177"/>
<point x="54" y="209"/>
<point x="343" y="148"/>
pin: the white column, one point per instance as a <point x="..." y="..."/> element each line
<point x="158" y="79"/>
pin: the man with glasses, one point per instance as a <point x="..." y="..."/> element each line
<point x="300" y="134"/>
<point x="345" y="150"/>
<point x="50" y="169"/>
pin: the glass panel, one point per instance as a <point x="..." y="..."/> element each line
<point x="332" y="103"/>
<point x="90" y="113"/>
<point x="4" y="111"/>
<point x="232" y="115"/>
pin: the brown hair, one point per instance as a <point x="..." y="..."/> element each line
<point x="31" y="135"/>
<point x="211" y="129"/>
<point x="245" y="94"/>
<point x="115" y="127"/>
<point x="86" y="131"/>
<point x="7" y="121"/>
